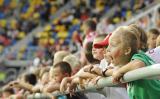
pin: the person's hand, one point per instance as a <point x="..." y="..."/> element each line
<point x="95" y="80"/>
<point x="88" y="68"/>
<point x="72" y="88"/>
<point x="117" y="75"/>
<point x="96" y="70"/>
<point x="73" y="85"/>
<point x="14" y="84"/>
<point x="35" y="89"/>
<point x="63" y="85"/>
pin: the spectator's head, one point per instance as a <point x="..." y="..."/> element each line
<point x="59" y="55"/>
<point x="122" y="45"/>
<point x="141" y="36"/>
<point x="30" y="78"/>
<point x="98" y="52"/>
<point x="59" y="71"/>
<point x="88" y="54"/>
<point x="152" y="36"/>
<point x="103" y="44"/>
<point x="7" y="92"/>
<point x="88" y="26"/>
<point x="158" y="41"/>
<point x="74" y="63"/>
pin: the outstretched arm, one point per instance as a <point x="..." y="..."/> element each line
<point x="135" y="64"/>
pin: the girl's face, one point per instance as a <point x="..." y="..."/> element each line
<point x="115" y="49"/>
<point x="151" y="40"/>
<point x="98" y="53"/>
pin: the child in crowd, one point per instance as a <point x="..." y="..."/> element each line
<point x="57" y="73"/>
<point x="74" y="63"/>
<point x="152" y="36"/>
<point x="123" y="48"/>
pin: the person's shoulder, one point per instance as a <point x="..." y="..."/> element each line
<point x="153" y="51"/>
<point x="143" y="57"/>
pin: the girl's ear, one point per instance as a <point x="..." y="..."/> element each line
<point x="127" y="51"/>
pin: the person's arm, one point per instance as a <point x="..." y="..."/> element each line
<point x="135" y="64"/>
<point x="26" y="86"/>
<point x="51" y="87"/>
<point x="82" y="74"/>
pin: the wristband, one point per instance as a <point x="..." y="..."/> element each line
<point x="103" y="72"/>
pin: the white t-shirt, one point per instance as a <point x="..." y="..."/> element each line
<point x="103" y="64"/>
<point x="154" y="54"/>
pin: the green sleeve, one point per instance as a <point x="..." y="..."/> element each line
<point x="143" y="57"/>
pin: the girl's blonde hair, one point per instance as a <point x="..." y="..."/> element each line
<point x="141" y="36"/>
<point x="128" y="37"/>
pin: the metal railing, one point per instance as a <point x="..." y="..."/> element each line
<point x="141" y="73"/>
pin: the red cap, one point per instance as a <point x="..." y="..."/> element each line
<point x="103" y="43"/>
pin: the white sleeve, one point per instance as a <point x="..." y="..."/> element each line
<point x="154" y="54"/>
<point x="103" y="64"/>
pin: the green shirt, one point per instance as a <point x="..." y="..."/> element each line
<point x="144" y="89"/>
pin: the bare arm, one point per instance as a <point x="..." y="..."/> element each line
<point x="51" y="87"/>
<point x="83" y="74"/>
<point x="135" y="64"/>
<point x="23" y="85"/>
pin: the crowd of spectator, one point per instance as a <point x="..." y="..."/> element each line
<point x="72" y="49"/>
<point x="64" y="31"/>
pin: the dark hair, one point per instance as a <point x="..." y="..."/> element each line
<point x="30" y="78"/>
<point x="64" y="66"/>
<point x="91" y="24"/>
<point x="88" y="53"/>
<point x="154" y="31"/>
